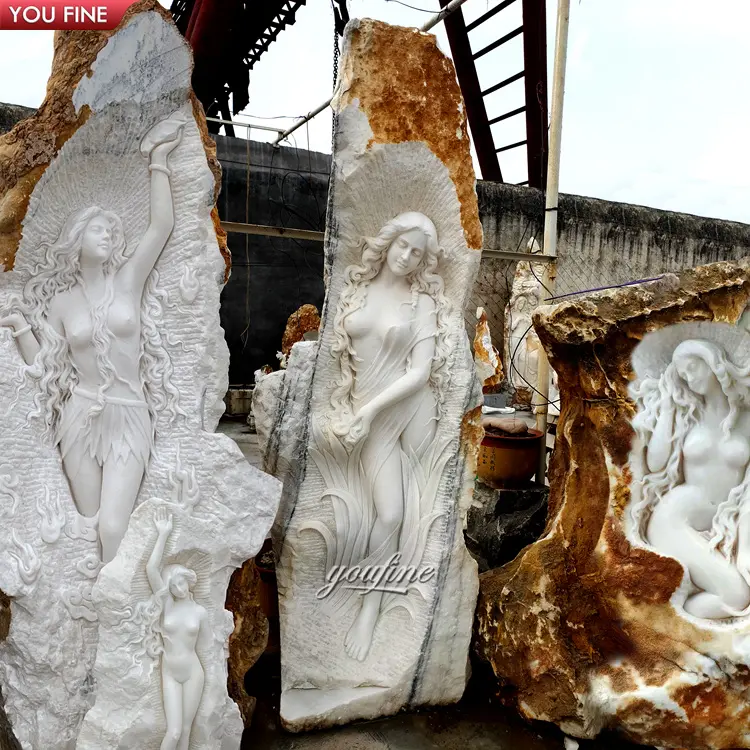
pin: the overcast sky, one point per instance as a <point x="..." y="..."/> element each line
<point x="655" y="112"/>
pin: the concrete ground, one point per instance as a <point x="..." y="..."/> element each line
<point x="237" y="429"/>
<point x="478" y="722"/>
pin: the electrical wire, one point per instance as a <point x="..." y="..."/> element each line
<point x="413" y="7"/>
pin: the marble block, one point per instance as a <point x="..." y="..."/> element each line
<point x="387" y="448"/>
<point x="632" y="610"/>
<point x="522" y="346"/>
<point x="113" y="370"/>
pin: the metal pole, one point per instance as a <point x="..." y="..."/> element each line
<point x="550" y="215"/>
<point x="265" y="231"/>
<point x="444" y="13"/>
<point x="434" y="21"/>
<point x="245" y="124"/>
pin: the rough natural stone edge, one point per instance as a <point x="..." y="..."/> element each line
<point x="29" y="148"/>
<point x="551" y="617"/>
<point x="250" y="636"/>
<point x="396" y="109"/>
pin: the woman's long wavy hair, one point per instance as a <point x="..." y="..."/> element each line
<point x="153" y="641"/>
<point x="424" y="280"/>
<point x="650" y="395"/>
<point x="141" y="626"/>
<point x="60" y="271"/>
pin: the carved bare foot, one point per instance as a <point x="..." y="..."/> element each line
<point x="164" y="131"/>
<point x="359" y="638"/>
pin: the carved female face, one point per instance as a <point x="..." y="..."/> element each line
<point x="96" y="242"/>
<point x="696" y="373"/>
<point x="406" y="252"/>
<point x="179" y="586"/>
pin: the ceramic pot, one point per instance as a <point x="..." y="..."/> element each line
<point x="508" y="458"/>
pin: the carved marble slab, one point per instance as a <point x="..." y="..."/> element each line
<point x="630" y="613"/>
<point x="690" y="498"/>
<point x="377" y="589"/>
<point x="522" y="345"/>
<point x="113" y="368"/>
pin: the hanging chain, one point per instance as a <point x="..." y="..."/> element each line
<point x="335" y="77"/>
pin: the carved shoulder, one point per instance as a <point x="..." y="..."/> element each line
<point x="425" y="304"/>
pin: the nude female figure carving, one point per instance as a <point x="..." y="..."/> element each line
<point x="84" y="327"/>
<point x="182" y="626"/>
<point x="692" y="498"/>
<point x="391" y="349"/>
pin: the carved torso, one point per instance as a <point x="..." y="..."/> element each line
<point x="380" y="317"/>
<point x="714" y="462"/>
<point x="181" y="626"/>
<point x="123" y="323"/>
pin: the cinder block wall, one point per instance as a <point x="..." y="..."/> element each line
<point x="600" y="243"/>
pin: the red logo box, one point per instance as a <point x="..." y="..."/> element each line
<point x="54" y="15"/>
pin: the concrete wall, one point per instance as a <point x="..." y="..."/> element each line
<point x="10" y="114"/>
<point x="600" y="243"/>
<point x="271" y="277"/>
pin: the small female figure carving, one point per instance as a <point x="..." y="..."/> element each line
<point x="182" y="625"/>
<point x="692" y="500"/>
<point x="391" y="347"/>
<point x="86" y="331"/>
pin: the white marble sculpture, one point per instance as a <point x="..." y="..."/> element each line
<point x="182" y="624"/>
<point x="376" y="587"/>
<point x="118" y="273"/>
<point x="522" y="348"/>
<point x="85" y="331"/>
<point x="391" y="346"/>
<point x="691" y="461"/>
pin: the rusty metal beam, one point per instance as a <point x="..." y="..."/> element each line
<point x="535" y="82"/>
<point x="499" y="42"/>
<point x="503" y="84"/>
<point x="491" y="12"/>
<point x="476" y="112"/>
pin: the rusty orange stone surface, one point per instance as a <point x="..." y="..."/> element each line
<point x="399" y="101"/>
<point x="581" y="610"/>
<point x="250" y="635"/>
<point x="300" y="322"/>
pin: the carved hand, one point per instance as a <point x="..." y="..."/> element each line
<point x="14" y="321"/>
<point x="163" y="522"/>
<point x="164" y="136"/>
<point x="163" y="150"/>
<point x="360" y="425"/>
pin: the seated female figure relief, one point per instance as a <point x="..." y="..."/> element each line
<point x="691" y="489"/>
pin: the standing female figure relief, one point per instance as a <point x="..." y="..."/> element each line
<point x="694" y="504"/>
<point x="182" y="625"/>
<point x="391" y="347"/>
<point x="85" y="328"/>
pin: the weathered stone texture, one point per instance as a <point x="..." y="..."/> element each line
<point x="580" y="623"/>
<point x="396" y="95"/>
<point x="122" y="83"/>
<point x="250" y="636"/>
<point x="27" y="150"/>
<point x="302" y="321"/>
<point x="10" y="114"/>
